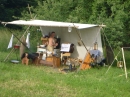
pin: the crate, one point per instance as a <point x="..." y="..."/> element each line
<point x="51" y="61"/>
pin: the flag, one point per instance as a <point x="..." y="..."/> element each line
<point x="27" y="40"/>
<point x="10" y="42"/>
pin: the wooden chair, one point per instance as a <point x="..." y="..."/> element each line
<point x="66" y="54"/>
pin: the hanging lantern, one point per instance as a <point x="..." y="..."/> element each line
<point x="120" y="64"/>
<point x="38" y="30"/>
<point x="69" y="28"/>
<point x="95" y="46"/>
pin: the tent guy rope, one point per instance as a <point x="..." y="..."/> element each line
<point x="12" y="50"/>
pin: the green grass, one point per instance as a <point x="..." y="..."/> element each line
<point x="18" y="80"/>
<point x="5" y="35"/>
<point x="4" y="39"/>
<point x="42" y="81"/>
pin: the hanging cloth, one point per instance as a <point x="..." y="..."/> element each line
<point x="27" y="40"/>
<point x="10" y="42"/>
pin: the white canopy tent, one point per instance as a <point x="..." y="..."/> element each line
<point x="89" y="33"/>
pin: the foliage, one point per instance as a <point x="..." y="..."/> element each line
<point x="114" y="14"/>
<point x="20" y="80"/>
<point x="67" y="10"/>
<point x="11" y="9"/>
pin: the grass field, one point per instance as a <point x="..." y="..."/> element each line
<point x="18" y="80"/>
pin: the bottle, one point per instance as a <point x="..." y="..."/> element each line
<point x="44" y="56"/>
<point x="70" y="67"/>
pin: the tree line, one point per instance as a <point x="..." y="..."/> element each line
<point x="115" y="14"/>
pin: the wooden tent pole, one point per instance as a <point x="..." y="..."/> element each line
<point x="113" y="61"/>
<point x="21" y="37"/>
<point x="104" y="45"/>
<point x="30" y="11"/>
<point x="124" y="62"/>
<point x="83" y="45"/>
<point x="12" y="50"/>
<point x="17" y="43"/>
<point x="81" y="38"/>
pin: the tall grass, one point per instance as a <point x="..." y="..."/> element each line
<point x="4" y="39"/>
<point x="5" y="35"/>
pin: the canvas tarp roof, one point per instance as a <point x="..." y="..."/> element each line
<point x="50" y="23"/>
<point x="89" y="33"/>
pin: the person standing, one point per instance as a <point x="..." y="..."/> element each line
<point x="51" y="44"/>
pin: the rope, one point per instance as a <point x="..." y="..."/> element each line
<point x="109" y="43"/>
<point x="104" y="45"/>
<point x="17" y="43"/>
<point x="81" y="38"/>
<point x="95" y="40"/>
<point x="78" y="32"/>
<point x="19" y="40"/>
<point x="113" y="61"/>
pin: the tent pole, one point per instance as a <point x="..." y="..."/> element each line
<point x="80" y="38"/>
<point x="9" y="54"/>
<point x="30" y="11"/>
<point x="109" y="43"/>
<point x="104" y="46"/>
<point x="95" y="40"/>
<point x="113" y="62"/>
<point x="20" y="38"/>
<point x="124" y="62"/>
<point x="17" y="43"/>
<point x="83" y="45"/>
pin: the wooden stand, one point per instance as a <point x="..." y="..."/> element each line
<point x="51" y="61"/>
<point x="66" y="55"/>
<point x="86" y="63"/>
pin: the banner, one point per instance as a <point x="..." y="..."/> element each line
<point x="10" y="42"/>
